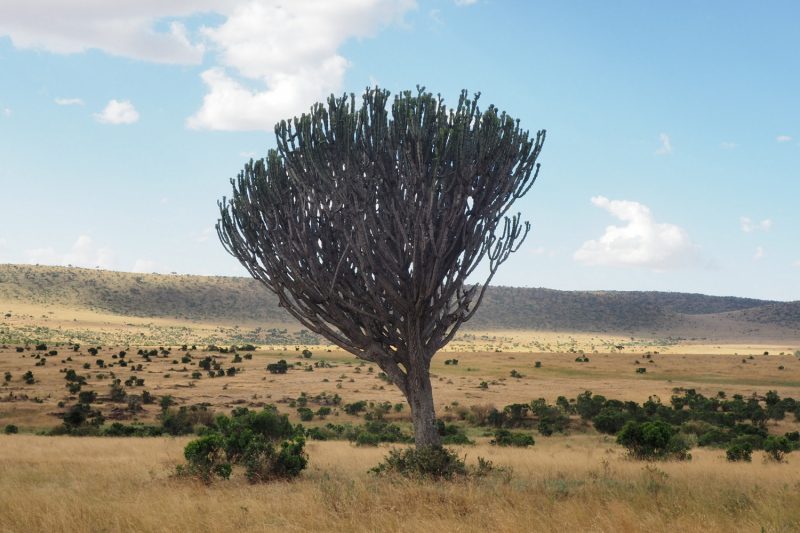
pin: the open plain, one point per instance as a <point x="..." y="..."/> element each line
<point x="578" y="480"/>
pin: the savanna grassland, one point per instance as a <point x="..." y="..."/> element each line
<point x="575" y="480"/>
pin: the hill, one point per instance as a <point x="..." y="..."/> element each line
<point x="232" y="300"/>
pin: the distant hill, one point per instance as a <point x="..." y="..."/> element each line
<point x="244" y="300"/>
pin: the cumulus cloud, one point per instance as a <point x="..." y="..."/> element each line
<point x="145" y="266"/>
<point x="275" y="58"/>
<point x="296" y="60"/>
<point x="69" y="101"/>
<point x="729" y="146"/>
<point x="783" y="138"/>
<point x="247" y="154"/>
<point x="748" y="226"/>
<point x="83" y="254"/>
<point x="666" y="147"/>
<point x="123" y="28"/>
<point x="118" y="113"/>
<point x="759" y="253"/>
<point x="465" y="2"/>
<point x="642" y="243"/>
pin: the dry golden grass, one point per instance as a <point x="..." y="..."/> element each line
<point x="612" y="375"/>
<point x="123" y="485"/>
<point x="578" y="482"/>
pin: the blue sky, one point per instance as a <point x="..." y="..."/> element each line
<point x="671" y="160"/>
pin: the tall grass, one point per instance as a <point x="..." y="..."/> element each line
<point x="124" y="485"/>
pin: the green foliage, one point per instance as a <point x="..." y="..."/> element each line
<point x="641" y="370"/>
<point x="87" y="397"/>
<point x="777" y="447"/>
<point x="278" y="368"/>
<point x="538" y="364"/>
<point x="355" y="407"/>
<point x="307" y="353"/>
<point x="248" y="438"/>
<point x="652" y="440"/>
<point x="740" y="452"/>
<point x="11" y="429"/>
<point x="427" y="462"/>
<point x="504" y="437"/>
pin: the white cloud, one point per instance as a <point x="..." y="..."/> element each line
<point x="247" y="154"/>
<point x="759" y="253"/>
<point x="145" y="266"/>
<point x="465" y="2"/>
<point x="666" y="148"/>
<point x="118" y="113"/>
<point x="202" y="236"/>
<point x="83" y="254"/>
<point x="122" y="28"/>
<point x="296" y="59"/>
<point x="7" y="112"/>
<point x="748" y="226"/>
<point x="285" y="53"/>
<point x="729" y="146"/>
<point x="433" y="14"/>
<point x="643" y="243"/>
<point x="796" y="263"/>
<point x="69" y="101"/>
<point x="783" y="138"/>
<point x="164" y="200"/>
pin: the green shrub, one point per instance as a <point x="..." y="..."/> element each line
<point x="281" y="367"/>
<point x="641" y="370"/>
<point x="433" y="462"/>
<point x="652" y="440"/>
<point x="74" y="388"/>
<point x="355" y="407"/>
<point x="307" y="353"/>
<point x="11" y="429"/>
<point x="504" y="437"/>
<point x="740" y="452"/>
<point x="87" y="397"/>
<point x="538" y="364"/>
<point x="204" y="457"/>
<point x="264" y="462"/>
<point x="777" y="447"/>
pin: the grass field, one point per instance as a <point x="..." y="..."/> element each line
<point x="579" y="481"/>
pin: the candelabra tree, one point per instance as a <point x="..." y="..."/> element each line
<point x="368" y="220"/>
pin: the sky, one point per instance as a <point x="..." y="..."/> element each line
<point x="670" y="164"/>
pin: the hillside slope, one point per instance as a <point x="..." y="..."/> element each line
<point x="245" y="301"/>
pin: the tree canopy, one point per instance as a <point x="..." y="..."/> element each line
<point x="367" y="221"/>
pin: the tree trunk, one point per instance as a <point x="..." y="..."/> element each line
<point x="419" y="394"/>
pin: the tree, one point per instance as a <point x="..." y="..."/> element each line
<point x="366" y="223"/>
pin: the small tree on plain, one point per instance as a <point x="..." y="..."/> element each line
<point x="367" y="221"/>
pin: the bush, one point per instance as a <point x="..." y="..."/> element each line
<point x="11" y="429"/>
<point x="278" y="368"/>
<point x="641" y="370"/>
<point x="204" y="457"/>
<point x="307" y="354"/>
<point x="432" y="462"/>
<point x="355" y="408"/>
<point x="740" y="452"/>
<point x="87" y="397"/>
<point x="503" y="437"/>
<point x="777" y="447"/>
<point x="652" y="440"/>
<point x="248" y="438"/>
